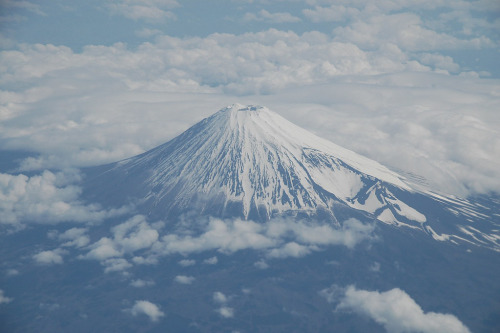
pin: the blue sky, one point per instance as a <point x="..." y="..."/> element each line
<point x="411" y="84"/>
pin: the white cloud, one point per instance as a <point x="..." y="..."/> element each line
<point x="139" y="283"/>
<point x="406" y="31"/>
<point x="264" y="15"/>
<point x="75" y="237"/>
<point x="219" y="297"/>
<point x="211" y="261"/>
<point x="226" y="312"/>
<point x="47" y="198"/>
<point x="290" y="249"/>
<point x="261" y="264"/>
<point x="4" y="299"/>
<point x="88" y="99"/>
<point x="394" y="309"/>
<point x="115" y="265"/>
<point x="147" y="308"/>
<point x="133" y="235"/>
<point x="50" y="257"/>
<point x="331" y="13"/>
<point x="187" y="262"/>
<point x="183" y="279"/>
<point x="149" y="10"/>
<point x="128" y="237"/>
<point x="229" y="236"/>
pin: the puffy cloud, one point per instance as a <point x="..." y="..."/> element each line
<point x="89" y="99"/>
<point x="115" y="265"/>
<point x="280" y="238"/>
<point x="47" y="198"/>
<point x="75" y="237"/>
<point x="219" y="297"/>
<point x="133" y="235"/>
<point x="394" y="309"/>
<point x="450" y="140"/>
<point x="407" y="31"/>
<point x="183" y="279"/>
<point x="4" y="299"/>
<point x="50" y="257"/>
<point x="226" y="312"/>
<point x="147" y="308"/>
<point x="211" y="261"/>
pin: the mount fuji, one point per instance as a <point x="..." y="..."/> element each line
<point x="246" y="222"/>
<point x="249" y="162"/>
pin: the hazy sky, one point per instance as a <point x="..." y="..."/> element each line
<point x="412" y="84"/>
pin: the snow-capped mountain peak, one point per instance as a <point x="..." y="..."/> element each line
<point x="247" y="161"/>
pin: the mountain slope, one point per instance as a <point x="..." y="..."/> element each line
<point x="249" y="162"/>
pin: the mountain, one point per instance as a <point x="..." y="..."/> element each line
<point x="250" y="162"/>
<point x="247" y="223"/>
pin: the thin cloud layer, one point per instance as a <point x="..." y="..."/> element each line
<point x="393" y="309"/>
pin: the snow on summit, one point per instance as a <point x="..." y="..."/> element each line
<point x="249" y="162"/>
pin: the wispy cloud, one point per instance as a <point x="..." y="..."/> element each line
<point x="264" y="15"/>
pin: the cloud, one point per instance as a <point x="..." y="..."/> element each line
<point x="226" y="312"/>
<point x="393" y="309"/>
<point x="219" y="297"/>
<point x="211" y="261"/>
<point x="290" y="249"/>
<point x="128" y="237"/>
<point x="139" y="283"/>
<point x="183" y="279"/>
<point x="50" y="257"/>
<point x="230" y="236"/>
<point x="147" y="308"/>
<point x="88" y="99"/>
<point x="115" y="265"/>
<point x="261" y="264"/>
<point x="330" y="14"/>
<point x="47" y="198"/>
<point x="75" y="237"/>
<point x="25" y="5"/>
<point x="187" y="262"/>
<point x="149" y="10"/>
<point x="407" y="31"/>
<point x="264" y="15"/>
<point x="3" y="298"/>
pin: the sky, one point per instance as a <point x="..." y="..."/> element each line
<point x="414" y="85"/>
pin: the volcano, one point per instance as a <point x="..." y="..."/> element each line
<point x="251" y="163"/>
